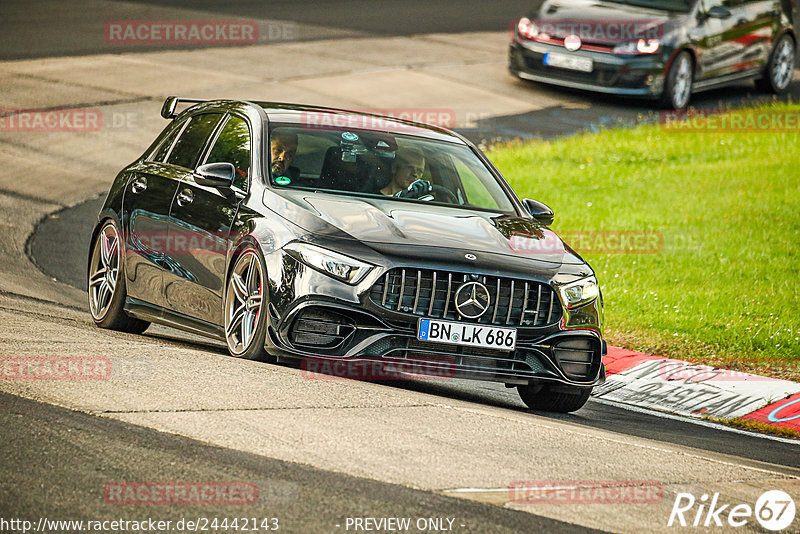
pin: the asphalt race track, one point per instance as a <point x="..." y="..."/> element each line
<point x="177" y="408"/>
<point x="71" y="228"/>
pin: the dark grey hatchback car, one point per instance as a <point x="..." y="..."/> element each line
<point x="323" y="235"/>
<point x="660" y="49"/>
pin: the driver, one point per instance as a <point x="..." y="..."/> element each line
<point x="283" y="147"/>
<point x="407" y="170"/>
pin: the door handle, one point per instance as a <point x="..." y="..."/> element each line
<point x="185" y="197"/>
<point x="139" y="184"/>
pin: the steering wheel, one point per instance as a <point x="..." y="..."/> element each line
<point x="451" y="197"/>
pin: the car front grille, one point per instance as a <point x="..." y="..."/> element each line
<point x="430" y="293"/>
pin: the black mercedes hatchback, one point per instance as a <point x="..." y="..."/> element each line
<point x="322" y="235"/>
<point x="660" y="49"/>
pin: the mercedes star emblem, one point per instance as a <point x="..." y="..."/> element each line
<point x="472" y="300"/>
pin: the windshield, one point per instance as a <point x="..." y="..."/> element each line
<point x="681" y="6"/>
<point x="385" y="165"/>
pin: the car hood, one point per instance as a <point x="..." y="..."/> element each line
<point x="376" y="222"/>
<point x="602" y="17"/>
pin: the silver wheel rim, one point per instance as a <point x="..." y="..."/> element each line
<point x="243" y="302"/>
<point x="104" y="271"/>
<point x="783" y="64"/>
<point x="683" y="83"/>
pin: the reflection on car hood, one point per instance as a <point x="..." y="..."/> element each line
<point x="389" y="222"/>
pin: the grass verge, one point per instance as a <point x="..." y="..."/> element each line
<point x="756" y="426"/>
<point x="715" y="279"/>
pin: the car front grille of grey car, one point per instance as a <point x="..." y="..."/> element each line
<point x="430" y="293"/>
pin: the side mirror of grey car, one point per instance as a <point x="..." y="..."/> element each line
<point x="539" y="211"/>
<point x="215" y="174"/>
<point x="719" y="12"/>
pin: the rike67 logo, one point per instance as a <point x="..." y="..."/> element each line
<point x="774" y="510"/>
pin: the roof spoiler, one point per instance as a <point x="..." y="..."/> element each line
<point x="168" y="109"/>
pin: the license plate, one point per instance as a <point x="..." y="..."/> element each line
<point x="564" y="61"/>
<point x="472" y="335"/>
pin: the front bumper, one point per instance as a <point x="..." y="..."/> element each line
<point x="641" y="76"/>
<point x="313" y="317"/>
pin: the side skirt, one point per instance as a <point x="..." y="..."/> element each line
<point x="154" y="314"/>
<point x="713" y="83"/>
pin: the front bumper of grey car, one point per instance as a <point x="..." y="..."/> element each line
<point x="629" y="75"/>
<point x="313" y="316"/>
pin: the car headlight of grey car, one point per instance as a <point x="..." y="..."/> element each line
<point x="579" y="293"/>
<point x="334" y="264"/>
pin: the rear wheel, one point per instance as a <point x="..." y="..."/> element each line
<point x="554" y="398"/>
<point x="678" y="82"/>
<point x="780" y="67"/>
<point x="245" y="307"/>
<point x="107" y="283"/>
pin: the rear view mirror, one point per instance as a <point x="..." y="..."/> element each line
<point x="539" y="211"/>
<point x="215" y="174"/>
<point x="719" y="12"/>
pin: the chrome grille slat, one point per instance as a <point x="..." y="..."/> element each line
<point x="416" y="295"/>
<point x="510" y="302"/>
<point x="433" y="294"/>
<point x="402" y="288"/>
<point x="449" y="292"/>
<point x="538" y="304"/>
<point x="525" y="304"/>
<point x="496" y="301"/>
<point x="550" y="312"/>
<point x="385" y="289"/>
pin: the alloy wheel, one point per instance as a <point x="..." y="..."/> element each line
<point x="243" y="302"/>
<point x="683" y="82"/>
<point x="783" y="64"/>
<point x="104" y="273"/>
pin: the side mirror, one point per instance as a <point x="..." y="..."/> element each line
<point x="215" y="174"/>
<point x="168" y="109"/>
<point x="719" y="12"/>
<point x="539" y="211"/>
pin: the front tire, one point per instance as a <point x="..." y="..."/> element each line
<point x="780" y="67"/>
<point x="678" y="82"/>
<point x="107" y="283"/>
<point x="554" y="398"/>
<point x="245" y="306"/>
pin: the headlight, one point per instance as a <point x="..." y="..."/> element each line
<point x="527" y="28"/>
<point x="642" y="46"/>
<point x="580" y="292"/>
<point x="332" y="263"/>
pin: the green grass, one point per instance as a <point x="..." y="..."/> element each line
<point x="724" y="288"/>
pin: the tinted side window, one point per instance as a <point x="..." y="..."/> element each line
<point x="193" y="139"/>
<point x="233" y="146"/>
<point x="163" y="149"/>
